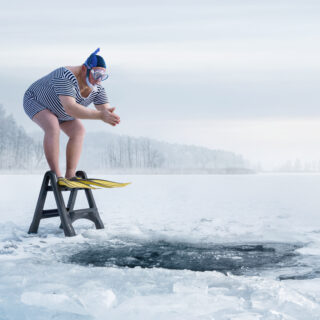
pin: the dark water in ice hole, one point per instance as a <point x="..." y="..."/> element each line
<point x="238" y="259"/>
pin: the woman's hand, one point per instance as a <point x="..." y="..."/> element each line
<point x="108" y="116"/>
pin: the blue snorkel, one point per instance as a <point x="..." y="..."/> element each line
<point x="93" y="61"/>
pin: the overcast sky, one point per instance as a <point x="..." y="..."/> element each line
<point x="235" y="75"/>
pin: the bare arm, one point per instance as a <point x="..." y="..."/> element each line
<point x="105" y="106"/>
<point x="76" y="110"/>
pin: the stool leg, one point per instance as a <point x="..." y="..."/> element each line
<point x="40" y="204"/>
<point x="92" y="204"/>
<point x="71" y="202"/>
<point x="72" y="199"/>
<point x="64" y="215"/>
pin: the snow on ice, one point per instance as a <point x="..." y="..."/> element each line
<point x="230" y="222"/>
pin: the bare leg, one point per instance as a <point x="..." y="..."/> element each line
<point x="50" y="125"/>
<point x="75" y="130"/>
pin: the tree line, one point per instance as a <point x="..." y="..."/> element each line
<point x="17" y="149"/>
<point x="103" y="150"/>
<point x="114" y="151"/>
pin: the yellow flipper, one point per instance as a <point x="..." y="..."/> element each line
<point x="103" y="183"/>
<point x="73" y="184"/>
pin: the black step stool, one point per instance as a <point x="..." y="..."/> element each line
<point x="67" y="214"/>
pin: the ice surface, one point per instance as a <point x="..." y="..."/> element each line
<point x="180" y="217"/>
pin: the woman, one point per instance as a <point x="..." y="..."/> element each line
<point x="59" y="100"/>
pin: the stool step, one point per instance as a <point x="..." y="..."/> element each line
<point x="50" y="213"/>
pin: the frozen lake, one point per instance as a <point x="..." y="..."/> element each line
<point x="175" y="247"/>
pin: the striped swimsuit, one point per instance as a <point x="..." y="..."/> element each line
<point x="44" y="94"/>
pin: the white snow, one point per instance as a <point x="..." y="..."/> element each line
<point x="36" y="281"/>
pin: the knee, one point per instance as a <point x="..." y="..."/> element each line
<point x="81" y="130"/>
<point x="52" y="129"/>
<point x="78" y="131"/>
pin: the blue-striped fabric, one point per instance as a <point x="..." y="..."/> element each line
<point x="44" y="94"/>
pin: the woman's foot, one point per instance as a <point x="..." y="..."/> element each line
<point x="72" y="184"/>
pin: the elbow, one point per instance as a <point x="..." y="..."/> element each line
<point x="69" y="109"/>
